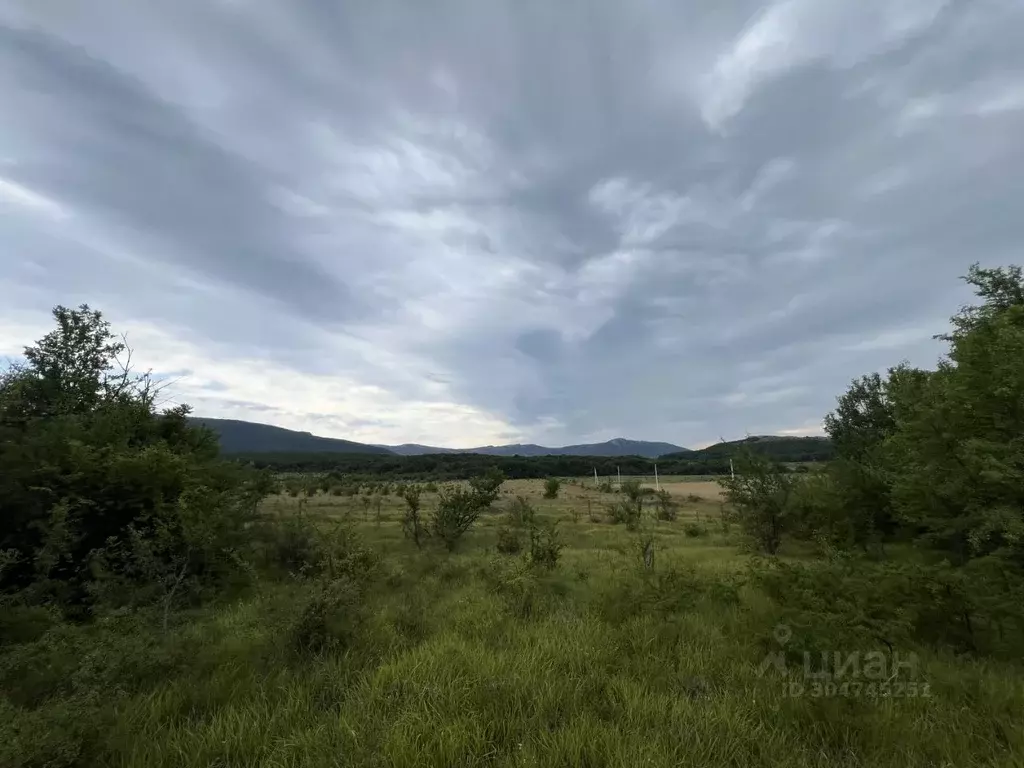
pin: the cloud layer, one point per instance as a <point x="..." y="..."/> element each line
<point x="477" y="222"/>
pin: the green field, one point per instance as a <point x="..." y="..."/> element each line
<point x="474" y="658"/>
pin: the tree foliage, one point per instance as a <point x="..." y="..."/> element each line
<point x="458" y="507"/>
<point x="97" y="488"/>
<point x="759" y="494"/>
<point x="936" y="459"/>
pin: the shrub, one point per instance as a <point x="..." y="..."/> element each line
<point x="626" y="512"/>
<point x="667" y="509"/>
<point x="545" y="546"/>
<point x="515" y="582"/>
<point x="412" y="524"/>
<point x="551" y="487"/>
<point x="760" y="496"/>
<point x="694" y="531"/>
<point x="487" y="487"/>
<point x="458" y="508"/>
<point x="330" y="618"/>
<point x="520" y="513"/>
<point x="291" y="543"/>
<point x="509" y="541"/>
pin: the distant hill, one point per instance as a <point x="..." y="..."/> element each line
<point x="617" y="447"/>
<point x="247" y="437"/>
<point x="782" y="448"/>
<point x="415" y="449"/>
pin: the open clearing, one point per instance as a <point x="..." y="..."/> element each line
<point x="473" y="658"/>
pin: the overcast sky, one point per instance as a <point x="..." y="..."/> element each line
<point x="461" y="223"/>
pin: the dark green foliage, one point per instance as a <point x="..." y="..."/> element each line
<point x="331" y="617"/>
<point x="781" y="449"/>
<point x="845" y="601"/>
<point x="694" y="531"/>
<point x="103" y="497"/>
<point x="457" y="466"/>
<point x="545" y="545"/>
<point x="551" y="487"/>
<point x="459" y="507"/>
<point x="759" y="495"/>
<point x="629" y="510"/>
<point x="412" y="523"/>
<point x="667" y="509"/>
<point x="509" y="541"/>
<point x="487" y="486"/>
<point x="937" y="457"/>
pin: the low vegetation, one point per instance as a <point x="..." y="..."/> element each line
<point x="163" y="606"/>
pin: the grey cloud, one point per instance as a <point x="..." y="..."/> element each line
<point x="405" y="195"/>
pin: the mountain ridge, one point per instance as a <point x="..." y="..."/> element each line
<point x="239" y="436"/>
<point x="246" y="437"/>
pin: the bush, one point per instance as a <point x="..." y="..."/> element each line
<point x="760" y="498"/>
<point x="509" y="541"/>
<point x="551" y="487"/>
<point x="330" y="618"/>
<point x="412" y="524"/>
<point x="458" y="508"/>
<point x="626" y="512"/>
<point x="694" y="531"/>
<point x="515" y="582"/>
<point x="545" y="546"/>
<point x="667" y="509"/>
<point x="103" y="496"/>
<point x="520" y="513"/>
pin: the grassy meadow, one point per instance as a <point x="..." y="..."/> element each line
<point x="473" y="658"/>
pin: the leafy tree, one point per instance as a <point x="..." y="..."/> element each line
<point x="760" y="494"/>
<point x="487" y="486"/>
<point x="94" y="483"/>
<point x="459" y="507"/>
<point x="412" y="525"/>
<point x="960" y="449"/>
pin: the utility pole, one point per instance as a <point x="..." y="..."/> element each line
<point x="595" y="477"/>
<point x="619" y="473"/>
<point x="657" y="485"/>
<point x="732" y="472"/>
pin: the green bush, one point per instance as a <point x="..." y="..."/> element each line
<point x="509" y="541"/>
<point x="551" y="487"/>
<point x="458" y="507"/>
<point x="104" y="498"/>
<point x="667" y="509"/>
<point x="545" y="545"/>
<point x="520" y="513"/>
<point x="412" y="523"/>
<point x="331" y="617"/>
<point x="626" y="512"/>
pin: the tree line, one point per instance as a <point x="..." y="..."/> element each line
<point x="919" y="519"/>
<point x="713" y="460"/>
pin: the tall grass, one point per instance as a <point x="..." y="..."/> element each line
<point x="477" y="659"/>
